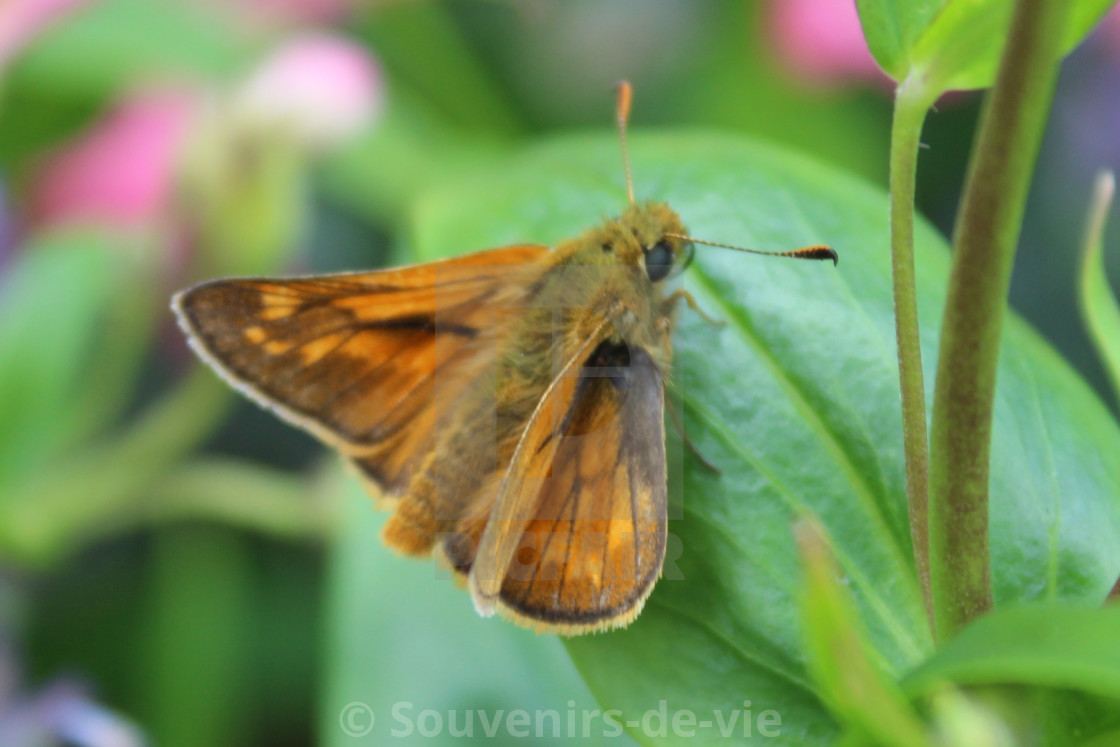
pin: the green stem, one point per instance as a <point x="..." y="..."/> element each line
<point x="85" y="495"/>
<point x="237" y="493"/>
<point x="1099" y="308"/>
<point x="110" y="376"/>
<point x="196" y="636"/>
<point x="984" y="248"/>
<point x="912" y="100"/>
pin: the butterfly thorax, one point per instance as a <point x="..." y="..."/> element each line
<point x="599" y="277"/>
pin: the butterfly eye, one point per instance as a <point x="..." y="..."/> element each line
<point x="659" y="260"/>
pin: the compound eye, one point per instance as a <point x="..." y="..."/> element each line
<point x="659" y="260"/>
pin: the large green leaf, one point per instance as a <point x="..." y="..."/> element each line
<point x="1051" y="669"/>
<point x="796" y="399"/>
<point x="891" y="28"/>
<point x="1051" y="645"/>
<point x="961" y="48"/>
<point x="953" y="44"/>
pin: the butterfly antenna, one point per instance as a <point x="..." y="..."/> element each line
<point x="808" y="252"/>
<point x="623" y="113"/>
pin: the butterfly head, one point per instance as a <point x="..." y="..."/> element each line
<point x="647" y="236"/>
<point x="665" y="246"/>
<point x="651" y="234"/>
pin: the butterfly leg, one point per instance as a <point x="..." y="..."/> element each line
<point x="412" y="529"/>
<point x="681" y="294"/>
<point x="679" y="424"/>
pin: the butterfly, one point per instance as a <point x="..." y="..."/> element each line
<point x="507" y="405"/>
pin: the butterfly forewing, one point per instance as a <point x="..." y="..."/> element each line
<point x="367" y="361"/>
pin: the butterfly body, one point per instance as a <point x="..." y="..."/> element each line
<point x="598" y="276"/>
<point x="509" y="400"/>
<point x="508" y="405"/>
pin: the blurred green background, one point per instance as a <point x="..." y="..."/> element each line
<point x="171" y="555"/>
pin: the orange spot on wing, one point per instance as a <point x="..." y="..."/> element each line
<point x="272" y="312"/>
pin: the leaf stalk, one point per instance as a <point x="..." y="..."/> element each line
<point x="912" y="99"/>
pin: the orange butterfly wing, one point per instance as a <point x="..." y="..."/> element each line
<point x="368" y="362"/>
<point x="588" y="515"/>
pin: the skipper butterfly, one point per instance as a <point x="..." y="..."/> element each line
<point x="508" y="405"/>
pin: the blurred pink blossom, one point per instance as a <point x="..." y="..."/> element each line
<point x="21" y="20"/>
<point x="7" y="228"/>
<point x="821" y="41"/>
<point x="1109" y="30"/>
<point x="314" y="90"/>
<point x="291" y="12"/>
<point x="322" y="88"/>
<point x="120" y="172"/>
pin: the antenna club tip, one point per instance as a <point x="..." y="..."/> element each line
<point x="625" y="95"/>
<point x="819" y="252"/>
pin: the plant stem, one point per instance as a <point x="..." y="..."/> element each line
<point x="1114" y="595"/>
<point x="912" y="100"/>
<point x="84" y="495"/>
<point x="1099" y="308"/>
<point x="1003" y="157"/>
<point x="237" y="493"/>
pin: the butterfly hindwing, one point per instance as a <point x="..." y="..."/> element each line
<point x="595" y="547"/>
<point x="590" y="524"/>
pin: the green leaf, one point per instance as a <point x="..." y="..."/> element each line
<point x="1050" y="645"/>
<point x="796" y="400"/>
<point x="891" y="28"/>
<point x="953" y="44"/>
<point x="51" y="302"/>
<point x="962" y="47"/>
<point x="99" y="48"/>
<point x="959" y="720"/>
<point x="1108" y="739"/>
<point x="1099" y="307"/>
<point x="849" y="681"/>
<point x="96" y="53"/>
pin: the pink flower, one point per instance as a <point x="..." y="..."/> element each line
<point x="295" y="11"/>
<point x="7" y="229"/>
<point x="1109" y="31"/>
<point x="320" y="88"/>
<point x="120" y="172"/>
<point x="821" y="41"/>
<point x="314" y="90"/>
<point x="22" y="20"/>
